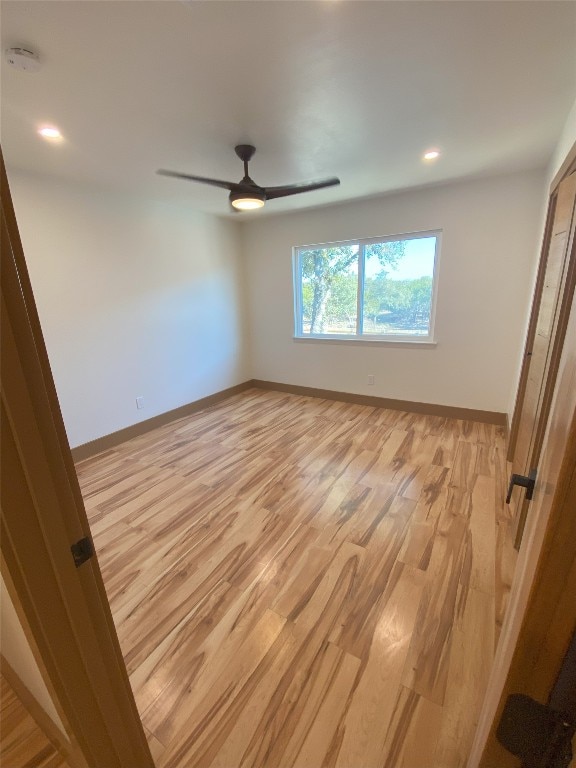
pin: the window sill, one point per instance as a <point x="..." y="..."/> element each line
<point x="406" y="343"/>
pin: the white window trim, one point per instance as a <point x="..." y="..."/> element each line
<point x="359" y="337"/>
<point x="406" y="342"/>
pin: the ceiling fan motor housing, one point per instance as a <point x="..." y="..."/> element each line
<point x="22" y="59"/>
<point x="245" y="152"/>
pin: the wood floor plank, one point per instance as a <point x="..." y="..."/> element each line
<point x="332" y="674"/>
<point x="219" y="707"/>
<point x="372" y="703"/>
<point x="156" y="556"/>
<point x="299" y="582"/>
<point x="483" y="535"/>
<point x="362" y="515"/>
<point x="300" y="691"/>
<point x="462" y="475"/>
<point x="505" y="564"/>
<point x="245" y="740"/>
<point x="413" y="732"/>
<point x="168" y="681"/>
<point x="470" y="663"/>
<point x="426" y="667"/>
<point x="156" y="748"/>
<point x="376" y="579"/>
<point x="385" y="469"/>
<point x="319" y="746"/>
<point x="192" y="578"/>
<point x="166" y="677"/>
<point x="22" y="743"/>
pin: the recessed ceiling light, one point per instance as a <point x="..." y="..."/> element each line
<point x="50" y="133"/>
<point x="431" y="154"/>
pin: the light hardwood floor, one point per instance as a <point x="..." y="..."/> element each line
<point x="22" y="743"/>
<point x="303" y="582"/>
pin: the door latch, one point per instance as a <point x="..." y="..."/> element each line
<point x="525" y="481"/>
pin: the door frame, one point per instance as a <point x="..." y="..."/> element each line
<point x="64" y="609"/>
<point x="541" y="617"/>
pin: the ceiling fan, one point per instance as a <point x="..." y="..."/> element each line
<point x="246" y="194"/>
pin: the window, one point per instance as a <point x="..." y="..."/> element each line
<point x="373" y="289"/>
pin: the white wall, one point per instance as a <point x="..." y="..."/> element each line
<point x="18" y="654"/>
<point x="135" y="299"/>
<point x="146" y="299"/>
<point x="489" y="248"/>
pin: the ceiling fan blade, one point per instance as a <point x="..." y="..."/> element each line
<point x="229" y="185"/>
<point x="295" y="189"/>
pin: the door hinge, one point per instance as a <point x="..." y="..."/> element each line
<point x="536" y="733"/>
<point x="82" y="551"/>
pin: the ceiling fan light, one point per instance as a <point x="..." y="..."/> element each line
<point x="247" y="201"/>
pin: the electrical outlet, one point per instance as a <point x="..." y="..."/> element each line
<point x="371" y="379"/>
<point x="139" y="402"/>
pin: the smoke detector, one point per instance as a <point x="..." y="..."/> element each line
<point x="22" y="59"/>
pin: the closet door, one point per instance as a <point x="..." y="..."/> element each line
<point x="555" y="288"/>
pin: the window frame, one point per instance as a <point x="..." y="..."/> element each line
<point x="359" y="336"/>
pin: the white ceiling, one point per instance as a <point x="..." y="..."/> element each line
<point x="354" y="89"/>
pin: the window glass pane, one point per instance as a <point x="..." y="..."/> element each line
<point x="398" y="287"/>
<point x="329" y="290"/>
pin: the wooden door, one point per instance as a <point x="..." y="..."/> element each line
<point x="545" y="339"/>
<point x="541" y="616"/>
<point x="63" y="608"/>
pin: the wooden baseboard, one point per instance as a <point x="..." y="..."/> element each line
<point x="87" y="450"/>
<point x="430" y="409"/>
<point x="43" y="721"/>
